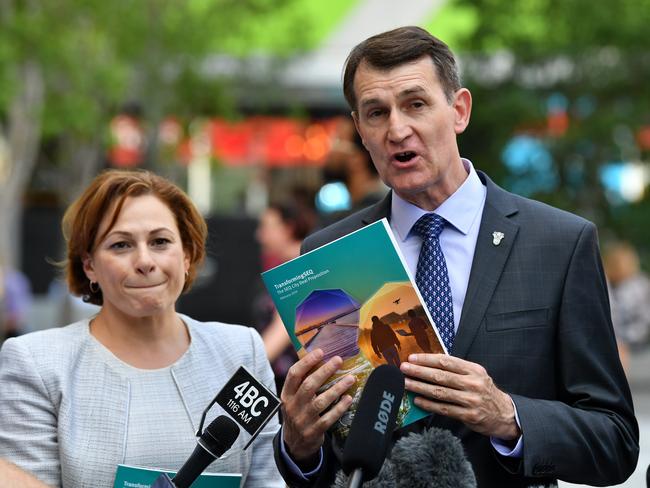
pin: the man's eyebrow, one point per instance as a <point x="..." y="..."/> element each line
<point x="415" y="90"/>
<point x="369" y="101"/>
<point x="407" y="92"/>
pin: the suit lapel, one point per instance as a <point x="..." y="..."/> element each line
<point x="378" y="211"/>
<point x="488" y="264"/>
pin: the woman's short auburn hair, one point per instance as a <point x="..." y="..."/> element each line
<point x="104" y="197"/>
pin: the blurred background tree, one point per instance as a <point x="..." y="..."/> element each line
<point x="67" y="67"/>
<point x="561" y="99"/>
<point x="559" y="86"/>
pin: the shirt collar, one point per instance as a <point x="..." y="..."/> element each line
<point x="460" y="209"/>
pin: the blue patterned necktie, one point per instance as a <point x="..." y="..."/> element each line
<point x="432" y="278"/>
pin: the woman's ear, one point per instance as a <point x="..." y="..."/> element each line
<point x="88" y="267"/>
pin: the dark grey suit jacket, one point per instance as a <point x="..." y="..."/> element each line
<point x="536" y="317"/>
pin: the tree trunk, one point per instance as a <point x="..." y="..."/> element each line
<point x="23" y="133"/>
<point x="83" y="162"/>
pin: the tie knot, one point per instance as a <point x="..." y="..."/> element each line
<point x="429" y="226"/>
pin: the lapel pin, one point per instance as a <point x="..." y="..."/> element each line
<point x="497" y="237"/>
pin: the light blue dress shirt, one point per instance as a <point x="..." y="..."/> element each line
<point x="463" y="210"/>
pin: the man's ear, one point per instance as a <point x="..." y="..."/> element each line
<point x="462" y="105"/>
<point x="89" y="267"/>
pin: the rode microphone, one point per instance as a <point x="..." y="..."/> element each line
<point x="216" y="439"/>
<point x="434" y="457"/>
<point x="373" y="424"/>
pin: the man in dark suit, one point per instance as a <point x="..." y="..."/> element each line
<point x="533" y="385"/>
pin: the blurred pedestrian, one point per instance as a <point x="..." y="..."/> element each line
<point x="630" y="297"/>
<point x="15" y="300"/>
<point x="350" y="163"/>
<point x="280" y="232"/>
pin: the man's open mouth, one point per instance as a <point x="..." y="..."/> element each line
<point x="405" y="156"/>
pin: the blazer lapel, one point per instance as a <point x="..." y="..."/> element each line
<point x="379" y="210"/>
<point x="489" y="260"/>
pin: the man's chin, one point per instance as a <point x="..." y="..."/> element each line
<point x="410" y="190"/>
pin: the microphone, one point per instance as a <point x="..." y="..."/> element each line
<point x="373" y="424"/>
<point x="216" y="439"/>
<point x="434" y="457"/>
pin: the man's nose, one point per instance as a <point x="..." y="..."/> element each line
<point x="399" y="127"/>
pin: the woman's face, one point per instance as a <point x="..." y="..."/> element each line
<point x="272" y="233"/>
<point x="140" y="263"/>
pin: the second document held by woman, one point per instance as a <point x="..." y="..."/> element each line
<point x="129" y="385"/>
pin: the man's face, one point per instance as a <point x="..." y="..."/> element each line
<point x="409" y="127"/>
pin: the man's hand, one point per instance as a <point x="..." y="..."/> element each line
<point x="462" y="390"/>
<point x="13" y="477"/>
<point x="305" y="423"/>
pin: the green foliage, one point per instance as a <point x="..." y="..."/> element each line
<point x="291" y="28"/>
<point x="594" y="56"/>
<point x="453" y="23"/>
<point x="97" y="56"/>
<point x="532" y="28"/>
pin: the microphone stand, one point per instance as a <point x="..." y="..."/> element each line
<point x="355" y="479"/>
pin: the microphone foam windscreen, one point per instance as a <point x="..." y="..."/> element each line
<point x="374" y="422"/>
<point x="220" y="435"/>
<point x="434" y="457"/>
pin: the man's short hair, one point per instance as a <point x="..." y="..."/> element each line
<point x="399" y="46"/>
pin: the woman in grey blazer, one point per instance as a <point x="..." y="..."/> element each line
<point x="129" y="385"/>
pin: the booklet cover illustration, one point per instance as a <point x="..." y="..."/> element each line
<point x="355" y="298"/>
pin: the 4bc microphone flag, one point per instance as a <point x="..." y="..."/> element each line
<point x="249" y="402"/>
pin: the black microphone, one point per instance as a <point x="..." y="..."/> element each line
<point x="216" y="439"/>
<point x="434" y="457"/>
<point x="373" y="424"/>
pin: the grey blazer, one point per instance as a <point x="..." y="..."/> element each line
<point x="536" y="317"/>
<point x="64" y="411"/>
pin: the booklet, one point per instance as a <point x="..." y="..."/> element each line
<point x="143" y="477"/>
<point x="355" y="298"/>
